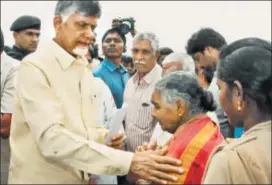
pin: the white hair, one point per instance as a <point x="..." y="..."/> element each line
<point x="65" y="17"/>
<point x="68" y="12"/>
<point x="184" y="85"/>
<point x="188" y="64"/>
<point x="154" y="41"/>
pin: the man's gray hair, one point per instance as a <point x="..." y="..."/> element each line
<point x="154" y="41"/>
<point x="85" y="7"/>
<point x="188" y="64"/>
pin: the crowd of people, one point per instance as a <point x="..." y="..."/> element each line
<point x="183" y="111"/>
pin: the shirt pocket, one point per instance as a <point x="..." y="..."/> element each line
<point x="144" y="116"/>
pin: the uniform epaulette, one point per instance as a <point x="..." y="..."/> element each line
<point x="231" y="143"/>
<point x="239" y="142"/>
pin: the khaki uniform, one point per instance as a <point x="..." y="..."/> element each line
<point x="243" y="161"/>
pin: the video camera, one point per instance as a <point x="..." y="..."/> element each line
<point x="125" y="25"/>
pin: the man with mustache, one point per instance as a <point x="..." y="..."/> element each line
<point x="139" y="124"/>
<point x="26" y="33"/>
<point x="55" y="137"/>
<point x="111" y="71"/>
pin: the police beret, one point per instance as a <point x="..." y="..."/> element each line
<point x="26" y="22"/>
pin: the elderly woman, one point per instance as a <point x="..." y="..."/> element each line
<point x="181" y="110"/>
<point x="175" y="62"/>
<point x="245" y="82"/>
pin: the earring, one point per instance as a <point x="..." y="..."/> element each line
<point x="239" y="108"/>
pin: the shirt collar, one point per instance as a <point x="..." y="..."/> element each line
<point x="258" y="127"/>
<point x="20" y="50"/>
<point x="64" y="58"/>
<point x="6" y="58"/>
<point x="113" y="67"/>
<point x="7" y="61"/>
<point x="149" y="77"/>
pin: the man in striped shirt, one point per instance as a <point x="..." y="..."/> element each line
<point x="139" y="124"/>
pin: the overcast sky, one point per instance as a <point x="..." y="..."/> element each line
<point x="172" y="21"/>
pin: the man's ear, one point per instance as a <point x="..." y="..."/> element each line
<point x="15" y="34"/>
<point x="157" y="55"/>
<point x="102" y="49"/>
<point x="210" y="51"/>
<point x="57" y="22"/>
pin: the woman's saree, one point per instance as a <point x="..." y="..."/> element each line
<point x="194" y="143"/>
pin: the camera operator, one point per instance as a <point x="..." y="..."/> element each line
<point x="125" y="25"/>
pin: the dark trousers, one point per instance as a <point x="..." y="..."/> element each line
<point x="122" y="180"/>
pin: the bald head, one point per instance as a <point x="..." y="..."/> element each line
<point x="178" y="62"/>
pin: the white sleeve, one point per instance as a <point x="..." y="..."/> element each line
<point x="108" y="104"/>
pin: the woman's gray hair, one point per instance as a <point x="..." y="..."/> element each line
<point x="66" y="8"/>
<point x="154" y="41"/>
<point x="188" y="64"/>
<point x="185" y="86"/>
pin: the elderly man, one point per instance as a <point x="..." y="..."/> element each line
<point x="178" y="62"/>
<point x="139" y="124"/>
<point x="204" y="47"/>
<point x="55" y="137"/>
<point x="9" y="66"/>
<point x="26" y="33"/>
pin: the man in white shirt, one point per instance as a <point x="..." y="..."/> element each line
<point x="139" y="124"/>
<point x="9" y="67"/>
<point x="55" y="136"/>
<point x="107" y="112"/>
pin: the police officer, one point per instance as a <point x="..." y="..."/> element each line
<point x="247" y="100"/>
<point x="26" y="35"/>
